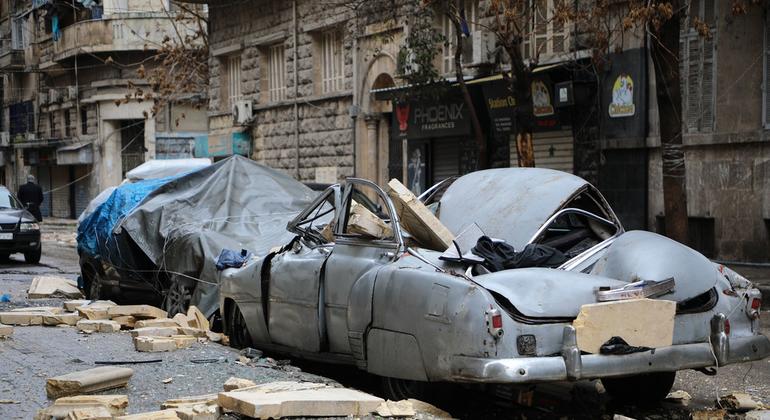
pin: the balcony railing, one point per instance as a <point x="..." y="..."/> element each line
<point x="124" y="33"/>
<point x="10" y="57"/>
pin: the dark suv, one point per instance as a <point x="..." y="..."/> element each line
<point x="19" y="230"/>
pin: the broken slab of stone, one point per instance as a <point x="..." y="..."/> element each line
<point x="207" y="399"/>
<point x="401" y="408"/>
<point x="679" y="397"/>
<point x="196" y="319"/>
<point x="85" y="406"/>
<point x="424" y="408"/>
<point x="98" y="325"/>
<point x="137" y="311"/>
<point x="126" y="322"/>
<point x="708" y="414"/>
<point x="73" y="305"/>
<point x="738" y="401"/>
<point x="181" y="320"/>
<point x="264" y="402"/>
<point x="152" y="415"/>
<point x="199" y="412"/>
<point x="46" y="287"/>
<point x="154" y="332"/>
<point x="43" y="309"/>
<point x="237" y="383"/>
<point x="21" y="318"/>
<point x="68" y="318"/>
<point x="195" y="332"/>
<point x="160" y="344"/>
<point x="417" y="219"/>
<point x="96" y="310"/>
<point x="88" y="381"/>
<point x="158" y="322"/>
<point x="640" y="322"/>
<point x="5" y="331"/>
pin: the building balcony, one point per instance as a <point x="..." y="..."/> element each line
<point x="116" y="33"/>
<point x="10" y="58"/>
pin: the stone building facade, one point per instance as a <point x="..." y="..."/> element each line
<point x="66" y="70"/>
<point x="312" y="83"/>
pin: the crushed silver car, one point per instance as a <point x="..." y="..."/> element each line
<point x="354" y="287"/>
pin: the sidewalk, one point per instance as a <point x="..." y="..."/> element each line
<point x="61" y="231"/>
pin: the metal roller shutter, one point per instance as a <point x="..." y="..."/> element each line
<point x="555" y="150"/>
<point x="446" y="159"/>
<point x="60" y="196"/>
<point x="82" y="197"/>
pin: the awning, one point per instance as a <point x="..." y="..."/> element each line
<point x="75" y="154"/>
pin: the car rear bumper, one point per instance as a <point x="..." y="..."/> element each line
<point x="571" y="365"/>
<point x="21" y="242"/>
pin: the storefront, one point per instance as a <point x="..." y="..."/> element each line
<point x="223" y="143"/>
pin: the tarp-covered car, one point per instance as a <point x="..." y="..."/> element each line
<point x="157" y="240"/>
<point x="337" y="292"/>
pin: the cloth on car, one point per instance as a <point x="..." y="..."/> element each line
<point x="232" y="259"/>
<point x="617" y="345"/>
<point x="499" y="255"/>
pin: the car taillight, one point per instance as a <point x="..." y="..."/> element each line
<point x="754" y="306"/>
<point x="727" y="326"/>
<point x="494" y="322"/>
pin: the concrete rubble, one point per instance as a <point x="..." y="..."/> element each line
<point x="5" y="331"/>
<point x="46" y="287"/>
<point x="85" y="406"/>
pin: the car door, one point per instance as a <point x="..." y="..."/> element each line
<point x="367" y="236"/>
<point x="294" y="313"/>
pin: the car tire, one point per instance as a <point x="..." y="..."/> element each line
<point x="177" y="298"/>
<point x="94" y="289"/>
<point x="237" y="330"/>
<point x="33" y="257"/>
<point x="647" y="389"/>
<point x="402" y="389"/>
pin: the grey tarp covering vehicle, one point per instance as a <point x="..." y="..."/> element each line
<point x="167" y="246"/>
<point x="334" y="294"/>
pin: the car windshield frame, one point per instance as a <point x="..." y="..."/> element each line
<point x="13" y="202"/>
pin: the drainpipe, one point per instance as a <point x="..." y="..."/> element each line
<point x="296" y="87"/>
<point x="356" y="106"/>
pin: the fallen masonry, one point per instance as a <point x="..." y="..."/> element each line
<point x="5" y="331"/>
<point x="45" y="287"/>
<point x="99" y="325"/>
<point x="88" y="381"/>
<point x="137" y="311"/>
<point x="93" y="406"/>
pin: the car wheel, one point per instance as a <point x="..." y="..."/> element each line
<point x="237" y="329"/>
<point x="650" y="388"/>
<point x="402" y="389"/>
<point x="33" y="257"/>
<point x="93" y="286"/>
<point x="177" y="299"/>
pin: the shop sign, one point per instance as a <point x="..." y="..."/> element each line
<point x="622" y="104"/>
<point x="432" y="120"/>
<point x="501" y="105"/>
<point x="541" y="99"/>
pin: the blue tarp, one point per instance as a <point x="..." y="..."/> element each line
<point x="95" y="231"/>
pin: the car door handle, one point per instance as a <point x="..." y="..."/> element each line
<point x="389" y="255"/>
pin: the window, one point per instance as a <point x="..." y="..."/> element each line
<point x="276" y="72"/>
<point x="471" y="12"/>
<point x="67" y="128"/>
<point x="233" y="85"/>
<point x="331" y="62"/>
<point x="51" y="125"/>
<point x="83" y="121"/>
<point x="544" y="35"/>
<point x="697" y="55"/>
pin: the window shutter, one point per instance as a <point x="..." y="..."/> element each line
<point x="707" y="84"/>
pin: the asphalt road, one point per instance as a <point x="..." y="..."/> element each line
<point x="35" y="353"/>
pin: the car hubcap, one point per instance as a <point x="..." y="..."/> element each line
<point x="177" y="299"/>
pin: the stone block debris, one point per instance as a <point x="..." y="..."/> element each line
<point x="137" y="311"/>
<point x="738" y="401"/>
<point x="5" y="331"/>
<point x="152" y="415"/>
<point x="22" y="318"/>
<point x="237" y="383"/>
<point x="73" y="305"/>
<point x="417" y="219"/>
<point x="85" y="406"/>
<point x="46" y="287"/>
<point x="65" y="318"/>
<point x="98" y="325"/>
<point x="88" y="381"/>
<point x="97" y="309"/>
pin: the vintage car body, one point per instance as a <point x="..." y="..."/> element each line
<point x="407" y="315"/>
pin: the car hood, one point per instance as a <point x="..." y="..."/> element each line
<point x="13" y="215"/>
<point x="507" y="203"/>
<point x="634" y="256"/>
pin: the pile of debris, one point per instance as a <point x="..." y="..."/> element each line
<point x="240" y="396"/>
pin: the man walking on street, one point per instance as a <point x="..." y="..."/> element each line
<point x="31" y="196"/>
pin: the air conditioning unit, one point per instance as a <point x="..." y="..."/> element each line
<point x="54" y="96"/>
<point x="42" y="98"/>
<point x="31" y="136"/>
<point x="242" y="112"/>
<point x="5" y="138"/>
<point x="72" y="93"/>
<point x="483" y="43"/>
